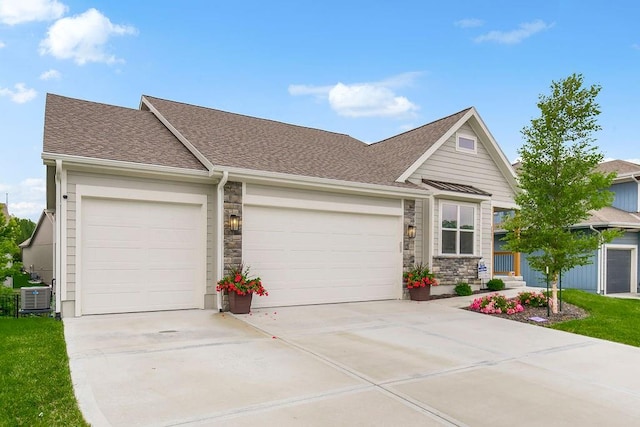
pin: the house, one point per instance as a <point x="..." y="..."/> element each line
<point x="152" y="205"/>
<point x="38" y="250"/>
<point x="614" y="267"/>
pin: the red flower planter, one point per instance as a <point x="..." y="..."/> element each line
<point x="239" y="304"/>
<point x="420" y="294"/>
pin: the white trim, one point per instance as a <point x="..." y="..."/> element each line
<point x="480" y="128"/>
<point x="634" y="264"/>
<point x="299" y="181"/>
<point x="119" y="165"/>
<point x="470" y="138"/>
<point x="91" y="191"/>
<point x="458" y="229"/>
<point x="415" y="165"/>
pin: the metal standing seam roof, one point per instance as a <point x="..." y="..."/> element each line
<point x="457" y="188"/>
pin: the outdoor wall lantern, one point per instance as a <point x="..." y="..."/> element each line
<point x="234" y="222"/>
<point x="411" y="231"/>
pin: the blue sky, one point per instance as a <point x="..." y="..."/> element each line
<point x="365" y="68"/>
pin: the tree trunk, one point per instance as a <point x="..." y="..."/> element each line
<point x="554" y="294"/>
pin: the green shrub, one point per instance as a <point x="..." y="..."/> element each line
<point x="532" y="299"/>
<point x="495" y="285"/>
<point x="7" y="301"/>
<point x="463" y="289"/>
<point x="20" y="280"/>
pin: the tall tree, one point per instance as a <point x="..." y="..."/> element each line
<point x="9" y="251"/>
<point x="559" y="183"/>
<point x="25" y="229"/>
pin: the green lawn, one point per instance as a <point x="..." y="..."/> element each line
<point x="612" y="319"/>
<point x="35" y="384"/>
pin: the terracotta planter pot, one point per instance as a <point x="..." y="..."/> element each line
<point x="420" y="294"/>
<point x="239" y="304"/>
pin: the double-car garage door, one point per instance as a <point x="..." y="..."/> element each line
<point x="311" y="249"/>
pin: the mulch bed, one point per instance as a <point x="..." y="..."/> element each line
<point x="569" y="312"/>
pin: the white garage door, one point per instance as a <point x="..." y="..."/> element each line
<point x="311" y="257"/>
<point x="140" y="256"/>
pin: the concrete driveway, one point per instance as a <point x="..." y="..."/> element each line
<point x="390" y="363"/>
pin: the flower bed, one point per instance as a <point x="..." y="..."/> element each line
<point x="498" y="304"/>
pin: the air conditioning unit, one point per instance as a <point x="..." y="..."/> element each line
<point x="35" y="298"/>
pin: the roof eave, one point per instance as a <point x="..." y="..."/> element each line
<point x="49" y="158"/>
<point x="258" y="176"/>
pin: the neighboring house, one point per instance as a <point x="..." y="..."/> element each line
<point x="38" y="250"/>
<point x="614" y="267"/>
<point x="145" y="202"/>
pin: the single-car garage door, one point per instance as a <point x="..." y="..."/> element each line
<point x="140" y="256"/>
<point x="311" y="256"/>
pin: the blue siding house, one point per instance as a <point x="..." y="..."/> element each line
<point x="614" y="267"/>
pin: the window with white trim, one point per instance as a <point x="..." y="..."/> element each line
<point x="467" y="143"/>
<point x="457" y="229"/>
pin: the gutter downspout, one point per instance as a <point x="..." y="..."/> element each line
<point x="58" y="241"/>
<point x="638" y="181"/>
<point x="220" y="233"/>
<point x="600" y="284"/>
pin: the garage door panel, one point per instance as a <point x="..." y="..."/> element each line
<point x="139" y="255"/>
<point x="310" y="257"/>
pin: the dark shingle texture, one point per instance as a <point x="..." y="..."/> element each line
<point x="235" y="140"/>
<point x="89" y="129"/>
<point x="401" y="151"/>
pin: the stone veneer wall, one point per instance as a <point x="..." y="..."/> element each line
<point x="408" y="245"/>
<point x="232" y="239"/>
<point x="453" y="270"/>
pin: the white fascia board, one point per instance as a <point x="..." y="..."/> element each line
<point x="625" y="225"/>
<point x="259" y="177"/>
<point x="118" y="165"/>
<point x="415" y="165"/>
<point x="201" y="157"/>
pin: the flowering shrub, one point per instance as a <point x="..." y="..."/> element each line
<point x="533" y="299"/>
<point x="419" y="277"/>
<point x="496" y="304"/>
<point x="238" y="281"/>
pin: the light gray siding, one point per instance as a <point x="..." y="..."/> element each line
<point x="477" y="169"/>
<point x="134" y="183"/>
<point x="626" y="196"/>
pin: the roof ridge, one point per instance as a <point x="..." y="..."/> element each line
<point x="253" y="117"/>
<point x="422" y="126"/>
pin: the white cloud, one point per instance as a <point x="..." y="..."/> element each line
<point x="524" y="31"/>
<point x="373" y="99"/>
<point x="26" y="199"/>
<point x="20" y="95"/>
<point x="469" y="23"/>
<point x="83" y="38"/>
<point x="14" y="12"/>
<point x="2" y="45"/>
<point x="50" y="74"/>
<point x="636" y="161"/>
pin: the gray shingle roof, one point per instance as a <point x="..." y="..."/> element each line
<point x="613" y="216"/>
<point x="401" y="151"/>
<point x="235" y="140"/>
<point x="619" y="166"/>
<point x="89" y="129"/>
